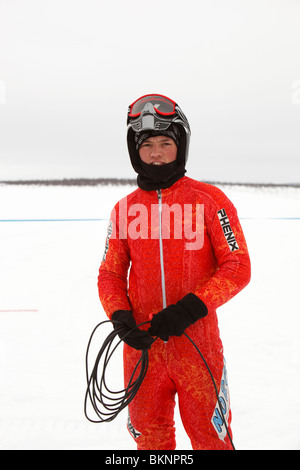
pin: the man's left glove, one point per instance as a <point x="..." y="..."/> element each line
<point x="135" y="338"/>
<point x="174" y="319"/>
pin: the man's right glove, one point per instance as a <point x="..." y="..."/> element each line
<point x="129" y="333"/>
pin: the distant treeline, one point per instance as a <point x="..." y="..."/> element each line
<point x="125" y="181"/>
<point x="76" y="182"/>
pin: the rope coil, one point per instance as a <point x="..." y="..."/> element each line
<point x="106" y="403"/>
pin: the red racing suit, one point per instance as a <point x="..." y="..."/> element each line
<point x="162" y="245"/>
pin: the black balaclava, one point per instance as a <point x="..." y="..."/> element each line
<point x="152" y="177"/>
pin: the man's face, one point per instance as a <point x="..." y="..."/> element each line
<point x="158" y="150"/>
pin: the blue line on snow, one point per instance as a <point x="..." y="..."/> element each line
<point x="52" y="220"/>
<point x="269" y="218"/>
<point x="105" y="219"/>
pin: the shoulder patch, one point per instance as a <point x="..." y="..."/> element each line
<point x="109" y="233"/>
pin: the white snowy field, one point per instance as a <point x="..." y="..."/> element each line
<point x="49" y="306"/>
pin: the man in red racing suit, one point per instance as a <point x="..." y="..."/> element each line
<point x="174" y="255"/>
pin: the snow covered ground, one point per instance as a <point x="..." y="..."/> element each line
<point x="49" y="268"/>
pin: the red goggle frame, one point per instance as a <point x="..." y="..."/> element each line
<point x="162" y="105"/>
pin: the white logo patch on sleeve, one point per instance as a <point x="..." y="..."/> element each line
<point x="227" y="230"/>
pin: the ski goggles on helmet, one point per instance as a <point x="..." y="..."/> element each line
<point x="154" y="112"/>
<point x="161" y="104"/>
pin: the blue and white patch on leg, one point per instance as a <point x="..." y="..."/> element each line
<point x="217" y="418"/>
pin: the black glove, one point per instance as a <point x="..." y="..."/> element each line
<point x="129" y="333"/>
<point x="174" y="319"/>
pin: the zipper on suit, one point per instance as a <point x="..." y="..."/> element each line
<point x="161" y="253"/>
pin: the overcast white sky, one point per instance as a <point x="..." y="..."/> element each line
<point x="70" y="68"/>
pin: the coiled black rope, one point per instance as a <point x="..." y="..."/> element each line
<point x="107" y="404"/>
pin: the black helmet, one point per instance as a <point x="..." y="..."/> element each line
<point x="157" y="115"/>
